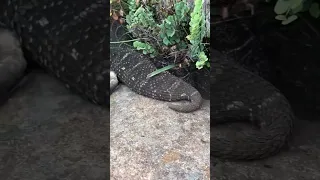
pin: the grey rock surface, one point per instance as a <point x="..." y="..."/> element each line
<point x="151" y="141"/>
<point x="48" y="133"/>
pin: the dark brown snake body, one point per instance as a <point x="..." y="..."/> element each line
<point x="239" y="95"/>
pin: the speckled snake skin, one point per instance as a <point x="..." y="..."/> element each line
<point x="67" y="38"/>
<point x="132" y="69"/>
<point x="239" y="95"/>
<point x="70" y="40"/>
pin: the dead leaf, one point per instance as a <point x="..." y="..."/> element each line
<point x="115" y="16"/>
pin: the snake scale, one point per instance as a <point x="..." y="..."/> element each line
<point x="240" y="95"/>
<point x="70" y="40"/>
<point x="132" y="69"/>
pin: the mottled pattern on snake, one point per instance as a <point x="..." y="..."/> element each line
<point x="239" y="95"/>
<point x="70" y="39"/>
<point x="133" y="67"/>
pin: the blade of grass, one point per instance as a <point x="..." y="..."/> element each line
<point x="158" y="71"/>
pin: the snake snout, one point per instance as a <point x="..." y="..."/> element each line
<point x="194" y="103"/>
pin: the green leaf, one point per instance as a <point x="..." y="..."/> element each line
<point x="166" y="41"/>
<point x="202" y="56"/>
<point x="161" y="25"/>
<point x="181" y="9"/>
<point x="175" y="39"/>
<point x="282" y="6"/>
<point x="182" y="45"/>
<point x="314" y="10"/>
<point x="200" y="64"/>
<point x="297" y="9"/>
<point x="146" y="48"/>
<point x="158" y="71"/>
<point x="289" y="19"/>
<point x="202" y="60"/>
<point x="139" y="45"/>
<point x="169" y="20"/>
<point x="281" y="17"/>
<point x="162" y="35"/>
<point x="144" y="51"/>
<point x="170" y="32"/>
<point x="296" y="3"/>
<point x="208" y="64"/>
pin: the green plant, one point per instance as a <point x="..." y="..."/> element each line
<point x="170" y="29"/>
<point x="287" y="10"/>
<point x="142" y="17"/>
<point x="197" y="32"/>
<point x="173" y="28"/>
<point x="146" y="48"/>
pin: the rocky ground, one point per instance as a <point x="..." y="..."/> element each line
<point x="47" y="133"/>
<point x="151" y="141"/>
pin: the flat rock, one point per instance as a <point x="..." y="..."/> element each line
<point x="46" y="132"/>
<point x="151" y="141"/>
